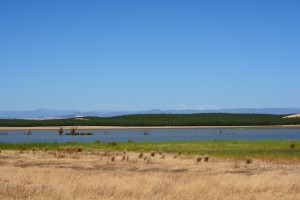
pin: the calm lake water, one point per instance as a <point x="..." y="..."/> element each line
<point x="19" y="136"/>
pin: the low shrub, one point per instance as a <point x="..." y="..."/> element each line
<point x="112" y="143"/>
<point x="248" y="161"/>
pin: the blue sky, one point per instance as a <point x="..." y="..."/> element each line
<point x="146" y="54"/>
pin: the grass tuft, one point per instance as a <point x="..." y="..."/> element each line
<point x="292" y="146"/>
<point x="113" y="158"/>
<point x="160" y="152"/>
<point x="198" y="159"/>
<point x="113" y="143"/>
<point x="97" y="141"/>
<point x="249" y="161"/>
<point x="206" y="158"/>
<point x="141" y="154"/>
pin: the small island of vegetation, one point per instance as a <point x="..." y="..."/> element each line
<point x="73" y="131"/>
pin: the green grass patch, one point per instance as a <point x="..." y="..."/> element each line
<point x="219" y="148"/>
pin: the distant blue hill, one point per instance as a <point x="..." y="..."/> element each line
<point x="48" y="114"/>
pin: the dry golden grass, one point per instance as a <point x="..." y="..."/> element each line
<point x="92" y="175"/>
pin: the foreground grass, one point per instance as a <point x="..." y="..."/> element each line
<point x="95" y="175"/>
<point x="282" y="149"/>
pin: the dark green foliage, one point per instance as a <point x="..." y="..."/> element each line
<point x="112" y="143"/>
<point x="73" y="131"/>
<point x="97" y="141"/>
<point x="80" y="133"/>
<point x="292" y="146"/>
<point x="203" y="119"/>
<point x="61" y="131"/>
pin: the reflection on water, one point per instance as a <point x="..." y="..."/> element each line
<point x="173" y="134"/>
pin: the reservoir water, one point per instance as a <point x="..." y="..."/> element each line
<point x="169" y="134"/>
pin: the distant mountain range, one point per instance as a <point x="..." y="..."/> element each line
<point x="56" y="114"/>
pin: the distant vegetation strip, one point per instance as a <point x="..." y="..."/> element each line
<point x="203" y="119"/>
<point x="287" y="149"/>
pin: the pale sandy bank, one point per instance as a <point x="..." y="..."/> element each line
<point x="292" y="116"/>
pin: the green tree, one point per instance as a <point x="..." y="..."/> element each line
<point x="73" y="131"/>
<point x="61" y="131"/>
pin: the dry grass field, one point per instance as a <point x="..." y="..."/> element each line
<point x="107" y="175"/>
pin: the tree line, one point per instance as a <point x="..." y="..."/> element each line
<point x="202" y="119"/>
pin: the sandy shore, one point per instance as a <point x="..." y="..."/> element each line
<point x="140" y="127"/>
<point x="94" y="175"/>
<point x="292" y="116"/>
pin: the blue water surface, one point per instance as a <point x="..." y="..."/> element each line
<point x="170" y="134"/>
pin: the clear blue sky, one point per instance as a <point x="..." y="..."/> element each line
<point x="145" y="54"/>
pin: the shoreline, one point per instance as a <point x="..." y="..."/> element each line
<point x="143" y="127"/>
